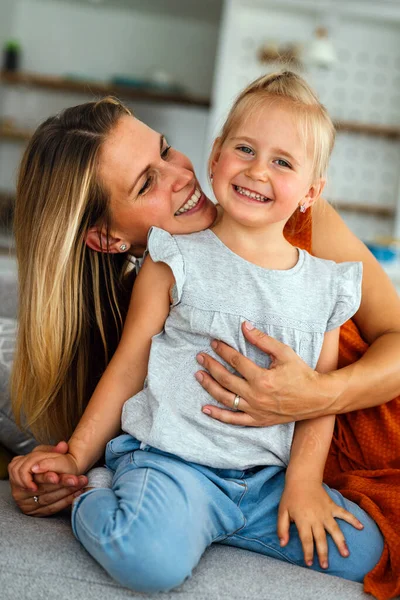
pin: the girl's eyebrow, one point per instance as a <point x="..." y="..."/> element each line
<point x="146" y="168"/>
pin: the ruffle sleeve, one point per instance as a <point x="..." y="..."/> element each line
<point x="162" y="247"/>
<point x="348" y="279"/>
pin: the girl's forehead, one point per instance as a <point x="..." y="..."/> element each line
<point x="273" y="119"/>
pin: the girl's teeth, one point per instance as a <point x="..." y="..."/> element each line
<point x="193" y="200"/>
<point x="251" y="195"/>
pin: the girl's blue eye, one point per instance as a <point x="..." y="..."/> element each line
<point x="245" y="149"/>
<point x="282" y="163"/>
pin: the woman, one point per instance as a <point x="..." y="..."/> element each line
<point x="92" y="182"/>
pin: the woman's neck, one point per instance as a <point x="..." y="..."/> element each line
<point x="264" y="246"/>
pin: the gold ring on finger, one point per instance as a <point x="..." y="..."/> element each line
<point x="236" y="401"/>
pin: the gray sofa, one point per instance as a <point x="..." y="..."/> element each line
<point x="41" y="560"/>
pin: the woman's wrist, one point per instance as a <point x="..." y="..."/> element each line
<point x="331" y="389"/>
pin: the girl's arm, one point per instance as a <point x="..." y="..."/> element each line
<point x="304" y="500"/>
<point x="124" y="377"/>
<point x="290" y="390"/>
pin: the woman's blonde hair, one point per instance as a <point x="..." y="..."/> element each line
<point x="317" y="129"/>
<point x="66" y="290"/>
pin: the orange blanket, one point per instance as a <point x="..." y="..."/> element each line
<point x="364" y="459"/>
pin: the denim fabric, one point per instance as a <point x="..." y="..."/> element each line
<point x="150" y="530"/>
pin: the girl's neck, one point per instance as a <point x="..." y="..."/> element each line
<point x="265" y="247"/>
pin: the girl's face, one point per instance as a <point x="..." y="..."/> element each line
<point x="263" y="172"/>
<point x="150" y="183"/>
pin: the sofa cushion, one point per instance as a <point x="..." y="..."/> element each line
<point x="40" y="558"/>
<point x="10" y="435"/>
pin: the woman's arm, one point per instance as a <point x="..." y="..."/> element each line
<point x="122" y="379"/>
<point x="290" y="390"/>
<point x="378" y="320"/>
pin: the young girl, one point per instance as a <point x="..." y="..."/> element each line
<point x="182" y="481"/>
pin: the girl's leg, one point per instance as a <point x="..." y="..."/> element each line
<point x="150" y="530"/>
<point x="260" y="507"/>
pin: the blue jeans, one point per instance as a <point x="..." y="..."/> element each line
<point x="150" y="530"/>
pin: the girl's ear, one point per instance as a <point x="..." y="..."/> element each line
<point x="215" y="154"/>
<point x="96" y="239"/>
<point x="314" y="192"/>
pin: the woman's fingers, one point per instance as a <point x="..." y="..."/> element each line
<point x="50" y="504"/>
<point x="73" y="480"/>
<point x="225" y="378"/>
<point x="50" y="499"/>
<point x="277" y="350"/>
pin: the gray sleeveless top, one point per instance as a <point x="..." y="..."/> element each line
<point x="215" y="291"/>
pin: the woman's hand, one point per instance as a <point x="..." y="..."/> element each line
<point x="310" y="507"/>
<point x="289" y="390"/>
<point x="54" y="492"/>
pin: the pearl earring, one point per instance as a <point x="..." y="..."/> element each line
<point x="211" y="176"/>
<point x="123" y="247"/>
<point x="303" y="208"/>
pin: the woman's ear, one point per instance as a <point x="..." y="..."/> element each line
<point x="96" y="239"/>
<point x="314" y="192"/>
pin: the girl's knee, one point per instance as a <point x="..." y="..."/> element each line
<point x="149" y="572"/>
<point x="365" y="546"/>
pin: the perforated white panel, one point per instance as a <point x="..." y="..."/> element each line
<point x="364" y="86"/>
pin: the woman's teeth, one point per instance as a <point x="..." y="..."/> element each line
<point x="251" y="195"/>
<point x="191" y="203"/>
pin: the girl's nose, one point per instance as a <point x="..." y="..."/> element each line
<point x="258" y="171"/>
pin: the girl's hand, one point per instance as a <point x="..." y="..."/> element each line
<point x="23" y="468"/>
<point x="289" y="390"/>
<point x="54" y="492"/>
<point x="310" y="507"/>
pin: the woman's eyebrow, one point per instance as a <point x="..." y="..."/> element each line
<point x="146" y="168"/>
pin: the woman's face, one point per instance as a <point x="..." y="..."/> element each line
<point x="150" y="184"/>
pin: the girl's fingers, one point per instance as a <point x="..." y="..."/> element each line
<point x="321" y="545"/>
<point x="44" y="465"/>
<point x="17" y="474"/>
<point x="345" y="515"/>
<point x="225" y="378"/>
<point x="307" y="543"/>
<point x="283" y="527"/>
<point x="337" y="535"/>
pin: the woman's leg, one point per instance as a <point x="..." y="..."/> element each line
<point x="150" y="530"/>
<point x="260" y="507"/>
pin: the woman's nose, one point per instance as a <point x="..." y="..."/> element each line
<point x="180" y="177"/>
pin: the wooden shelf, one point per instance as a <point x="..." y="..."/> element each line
<point x="388" y="131"/>
<point x="370" y="209"/>
<point x="96" y="88"/>
<point x="14" y="134"/>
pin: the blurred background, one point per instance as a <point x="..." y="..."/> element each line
<point x="180" y="63"/>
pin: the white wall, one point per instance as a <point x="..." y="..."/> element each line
<point x="97" y="41"/>
<point x="62" y="37"/>
<point x="6" y="20"/>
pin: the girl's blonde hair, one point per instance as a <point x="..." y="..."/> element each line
<point x="66" y="290"/>
<point x="317" y="129"/>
